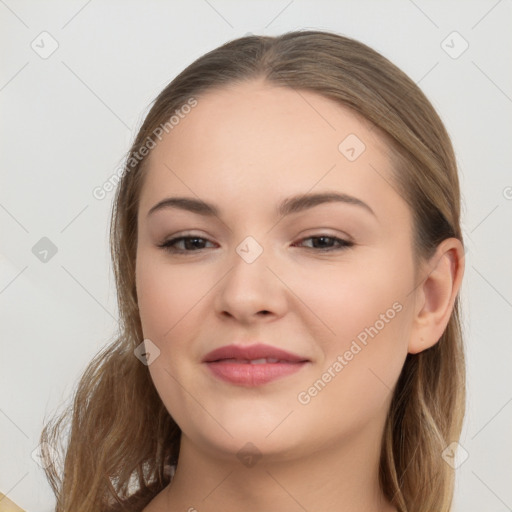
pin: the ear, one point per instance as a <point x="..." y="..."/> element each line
<point x="436" y="294"/>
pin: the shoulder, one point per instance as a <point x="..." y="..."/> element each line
<point x="7" y="505"/>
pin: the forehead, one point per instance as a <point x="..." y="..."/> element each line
<point x="255" y="113"/>
<point x="253" y="141"/>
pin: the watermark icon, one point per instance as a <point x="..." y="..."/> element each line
<point x="455" y="455"/>
<point x="249" y="455"/>
<point x="100" y="192"/>
<point x="44" y="250"/>
<point x="507" y="192"/>
<point x="304" y="397"/>
<point x="454" y="45"/>
<point x="351" y="147"/>
<point x="44" y="455"/>
<point x="147" y="352"/>
<point x="249" y="249"/>
<point x="44" y="45"/>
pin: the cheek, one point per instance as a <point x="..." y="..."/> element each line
<point x="352" y="299"/>
<point x="355" y="382"/>
<point x="361" y="355"/>
<point x="165" y="295"/>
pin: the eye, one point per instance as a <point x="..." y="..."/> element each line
<point x="328" y="243"/>
<point x="188" y="244"/>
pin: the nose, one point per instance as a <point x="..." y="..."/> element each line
<point x="251" y="291"/>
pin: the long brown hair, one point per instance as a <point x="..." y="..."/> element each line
<point x="121" y="437"/>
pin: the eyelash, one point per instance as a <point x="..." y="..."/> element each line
<point x="168" y="244"/>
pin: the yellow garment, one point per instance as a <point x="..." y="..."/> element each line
<point x="6" y="505"/>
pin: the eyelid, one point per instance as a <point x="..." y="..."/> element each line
<point x="179" y="237"/>
<point x="344" y="243"/>
<point x="327" y="232"/>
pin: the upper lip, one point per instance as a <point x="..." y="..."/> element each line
<point x="251" y="352"/>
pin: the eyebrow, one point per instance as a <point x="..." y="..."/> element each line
<point x="288" y="206"/>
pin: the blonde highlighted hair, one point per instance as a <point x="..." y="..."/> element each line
<point x="120" y="438"/>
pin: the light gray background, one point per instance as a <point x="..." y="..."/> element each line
<point x="68" y="119"/>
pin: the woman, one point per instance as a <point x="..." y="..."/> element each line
<point x="288" y="257"/>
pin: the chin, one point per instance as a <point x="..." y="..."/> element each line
<point x="250" y="434"/>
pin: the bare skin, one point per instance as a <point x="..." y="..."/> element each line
<point x="245" y="149"/>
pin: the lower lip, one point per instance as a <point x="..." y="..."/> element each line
<point x="247" y="374"/>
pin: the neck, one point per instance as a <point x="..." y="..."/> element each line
<point x="341" y="477"/>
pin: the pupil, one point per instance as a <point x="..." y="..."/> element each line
<point x="323" y="239"/>
<point x="194" y="243"/>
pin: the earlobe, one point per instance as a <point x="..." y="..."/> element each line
<point x="435" y="297"/>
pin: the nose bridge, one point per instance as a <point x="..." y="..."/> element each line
<point x="250" y="287"/>
<point x="250" y="250"/>
<point x="250" y="266"/>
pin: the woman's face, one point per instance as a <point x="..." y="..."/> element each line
<point x="329" y="281"/>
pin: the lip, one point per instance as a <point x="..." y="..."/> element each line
<point x="250" y="352"/>
<point x="231" y="364"/>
